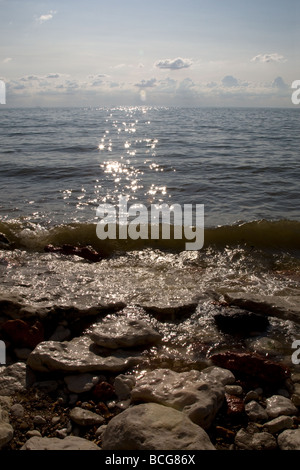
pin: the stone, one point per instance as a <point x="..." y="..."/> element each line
<point x="170" y="311"/>
<point x="218" y="375"/>
<point x="235" y="407"/>
<point x="33" y="433"/>
<point x="103" y="391"/>
<point x="81" y="383"/>
<point x="252" y="365"/>
<point x="289" y="439"/>
<point x="17" y="410"/>
<point x="190" y="392"/>
<point x="39" y="420"/>
<point x="234" y="390"/>
<point x="13" y="379"/>
<point x="85" y="417"/>
<point x="278" y="405"/>
<point x="255" y="441"/>
<point x="279" y="424"/>
<point x="22" y="334"/>
<point x="264" y="346"/>
<point x="55" y="443"/>
<point x="122" y="332"/>
<point x="152" y="426"/>
<point x="123" y="384"/>
<point x="6" y="433"/>
<point x="99" y="432"/>
<point x="241" y="322"/>
<point x="80" y="355"/>
<point x="255" y="411"/>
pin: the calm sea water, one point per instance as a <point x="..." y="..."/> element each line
<point x="58" y="165"/>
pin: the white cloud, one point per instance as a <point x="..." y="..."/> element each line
<point x="48" y="16"/>
<point x="173" y="64"/>
<point x="266" y="58"/>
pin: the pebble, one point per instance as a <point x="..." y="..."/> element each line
<point x="85" y="417"/>
<point x="234" y="390"/>
<point x="251" y="395"/>
<point x="279" y="424"/>
<point x="39" y="420"/>
<point x="17" y="411"/>
<point x="32" y="433"/>
<point x="255" y="411"/>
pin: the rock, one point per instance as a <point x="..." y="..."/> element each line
<point x="79" y="355"/>
<point x="54" y="443"/>
<point x="234" y="390"/>
<point x="103" y="391"/>
<point x="85" y="252"/>
<point x="171" y="310"/>
<point x="190" y="392"/>
<point x="85" y="417"/>
<point x="296" y="394"/>
<point x="60" y="334"/>
<point x="6" y="433"/>
<point x="252" y="365"/>
<point x="39" y="420"/>
<point x="278" y="405"/>
<point x="286" y="308"/>
<point x="255" y="441"/>
<point x="22" y="334"/>
<point x="235" y="407"/>
<point x="278" y="424"/>
<point x="81" y="383"/>
<point x="33" y="433"/>
<point x="241" y="322"/>
<point x="99" y="432"/>
<point x="154" y="427"/>
<point x="264" y="346"/>
<point x="123" y="384"/>
<point x="289" y="439"/>
<point x="13" y="379"/>
<point x="255" y="411"/>
<point x="122" y="332"/>
<point x="17" y="410"/>
<point x="62" y="433"/>
<point x="218" y="375"/>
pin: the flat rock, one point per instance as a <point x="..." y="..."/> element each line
<point x="279" y="424"/>
<point x="54" y="443"/>
<point x="79" y="355"/>
<point x="85" y="417"/>
<point x="122" y="332"/>
<point x="154" y="427"/>
<point x="286" y="308"/>
<point x="13" y="379"/>
<point x="289" y="439"/>
<point x="6" y="433"/>
<point x="277" y="405"/>
<point x="193" y="393"/>
<point x="171" y="310"/>
<point x="255" y="441"/>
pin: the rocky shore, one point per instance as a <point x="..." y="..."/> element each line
<point x="82" y="379"/>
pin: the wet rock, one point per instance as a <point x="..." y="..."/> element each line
<point x="255" y="411"/>
<point x="252" y="365"/>
<point x="241" y="322"/>
<point x="278" y="405"/>
<point x="286" y="308"/>
<point x="80" y="355"/>
<point x="190" y="392"/>
<point x="218" y="375"/>
<point x="154" y="427"/>
<point x="235" y="407"/>
<point x="13" y="379"/>
<point x="123" y="332"/>
<point x="55" y="443"/>
<point x="6" y="433"/>
<point x="22" y="334"/>
<point x="170" y="311"/>
<point x="85" y="252"/>
<point x="255" y="441"/>
<point x="85" y="417"/>
<point x="123" y="385"/>
<point x="81" y="383"/>
<point x="279" y="424"/>
<point x="289" y="439"/>
<point x="264" y="346"/>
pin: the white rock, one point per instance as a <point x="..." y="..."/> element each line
<point x="79" y="355"/>
<point x="81" y="383"/>
<point x="255" y="411"/>
<point x="13" y="379"/>
<point x="278" y="424"/>
<point x="154" y="427"/>
<point x="54" y="443"/>
<point x="85" y="417"/>
<point x="289" y="439"/>
<point x="255" y="441"/>
<point x="123" y="333"/>
<point x="190" y="392"/>
<point x="278" y="405"/>
<point x="6" y="433"/>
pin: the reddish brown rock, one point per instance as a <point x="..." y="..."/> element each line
<point x="84" y="252"/>
<point x="103" y="391"/>
<point x="252" y="365"/>
<point x="235" y="406"/>
<point x="22" y="334"/>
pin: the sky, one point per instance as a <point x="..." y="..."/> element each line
<point x="159" y="52"/>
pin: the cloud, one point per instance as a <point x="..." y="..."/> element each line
<point x="147" y="83"/>
<point x="173" y="64"/>
<point x="279" y="83"/>
<point x="266" y="58"/>
<point x="229" y="81"/>
<point x="48" y="16"/>
<point x="6" y="60"/>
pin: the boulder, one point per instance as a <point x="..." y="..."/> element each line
<point x="193" y="393"/>
<point x="54" y="443"/>
<point x="122" y="332"/>
<point x="154" y="427"/>
<point x="80" y="355"/>
<point x="289" y="439"/>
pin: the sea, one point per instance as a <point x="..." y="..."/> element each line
<point x="58" y="165"/>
